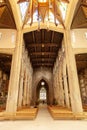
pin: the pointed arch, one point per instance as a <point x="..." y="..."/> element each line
<point x="49" y="90"/>
<point x="38" y="88"/>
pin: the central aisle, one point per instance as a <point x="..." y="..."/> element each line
<point x="43" y="121"/>
<point x="43" y="113"/>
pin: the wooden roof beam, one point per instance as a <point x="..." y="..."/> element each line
<point x="66" y="1"/>
<point x="42" y="45"/>
<point x="42" y="64"/>
<point x="43" y="59"/>
<point x="43" y="53"/>
<point x="20" y="1"/>
<point x="28" y="13"/>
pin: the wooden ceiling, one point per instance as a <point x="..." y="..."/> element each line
<point x="6" y="15"/>
<point x="80" y="16"/>
<point x="5" y="63"/>
<point x="43" y="47"/>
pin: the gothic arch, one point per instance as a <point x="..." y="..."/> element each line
<point x="39" y="86"/>
<point x="49" y="89"/>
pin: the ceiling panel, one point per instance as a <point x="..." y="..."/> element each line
<point x="43" y="47"/>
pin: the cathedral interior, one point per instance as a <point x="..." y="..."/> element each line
<point x="43" y="58"/>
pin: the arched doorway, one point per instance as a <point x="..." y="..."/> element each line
<point x="42" y="92"/>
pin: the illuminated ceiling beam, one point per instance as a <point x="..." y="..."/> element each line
<point x="16" y="13"/>
<point x="70" y="13"/>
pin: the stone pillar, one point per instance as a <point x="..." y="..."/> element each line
<point x="28" y="92"/>
<point x="57" y="84"/>
<point x="54" y="82"/>
<point x="21" y="86"/>
<point x="11" y="105"/>
<point x="72" y="75"/>
<point x="60" y="81"/>
<point x="65" y="83"/>
<point x="30" y="83"/>
<point x="25" y="89"/>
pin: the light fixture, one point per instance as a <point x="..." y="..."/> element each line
<point x="42" y="83"/>
<point x="42" y="45"/>
<point x="42" y="53"/>
<point x="42" y="59"/>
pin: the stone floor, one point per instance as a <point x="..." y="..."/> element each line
<point x="43" y="121"/>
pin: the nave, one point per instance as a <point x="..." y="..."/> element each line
<point x="43" y="47"/>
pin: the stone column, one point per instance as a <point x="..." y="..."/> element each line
<point x="21" y="86"/>
<point x="60" y="82"/>
<point x="55" y="86"/>
<point x="12" y="99"/>
<point x="72" y="75"/>
<point x="30" y="84"/>
<point x="28" y="92"/>
<point x="65" y="83"/>
<point x="25" y="90"/>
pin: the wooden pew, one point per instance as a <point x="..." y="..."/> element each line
<point x="26" y="113"/>
<point x="58" y="112"/>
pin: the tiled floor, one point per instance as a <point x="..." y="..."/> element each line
<point x="43" y="121"/>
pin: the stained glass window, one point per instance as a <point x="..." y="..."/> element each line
<point x="61" y="5"/>
<point x="42" y="93"/>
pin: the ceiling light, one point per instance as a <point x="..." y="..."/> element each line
<point x="43" y="59"/>
<point x="42" y="83"/>
<point x="42" y="53"/>
<point x="42" y="45"/>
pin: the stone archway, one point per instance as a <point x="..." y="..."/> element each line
<point x="46" y="75"/>
<point x="46" y="87"/>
